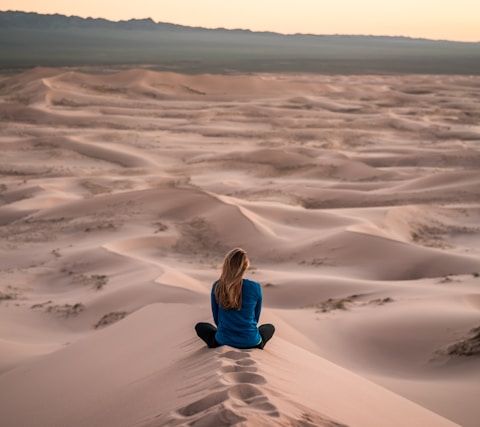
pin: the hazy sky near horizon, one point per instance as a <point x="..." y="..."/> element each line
<point x="437" y="19"/>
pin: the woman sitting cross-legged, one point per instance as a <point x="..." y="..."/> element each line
<point x="236" y="305"/>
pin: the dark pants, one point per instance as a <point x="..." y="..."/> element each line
<point x="206" y="331"/>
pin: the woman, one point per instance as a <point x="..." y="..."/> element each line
<point x="236" y="305"/>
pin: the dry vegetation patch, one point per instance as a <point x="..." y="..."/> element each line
<point x="62" y="310"/>
<point x="351" y="301"/>
<point x="110" y="318"/>
<point x="467" y="346"/>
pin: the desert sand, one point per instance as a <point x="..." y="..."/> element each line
<point x="357" y="199"/>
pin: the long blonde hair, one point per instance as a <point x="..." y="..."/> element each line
<point x="228" y="289"/>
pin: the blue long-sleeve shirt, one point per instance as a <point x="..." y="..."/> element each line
<point x="238" y="328"/>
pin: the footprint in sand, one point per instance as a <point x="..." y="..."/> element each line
<point x="245" y="362"/>
<point x="238" y="368"/>
<point x="244" y="378"/>
<point x="237" y="395"/>
<point x="254" y="398"/>
<point x="235" y="355"/>
<point x="204" y="404"/>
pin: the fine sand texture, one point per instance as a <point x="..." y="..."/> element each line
<point x="357" y="199"/>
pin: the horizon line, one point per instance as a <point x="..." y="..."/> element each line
<point x="244" y="29"/>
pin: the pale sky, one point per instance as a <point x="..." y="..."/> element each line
<point x="435" y="19"/>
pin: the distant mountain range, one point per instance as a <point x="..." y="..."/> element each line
<point x="31" y="39"/>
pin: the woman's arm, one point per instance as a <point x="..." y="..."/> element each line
<point x="258" y="307"/>
<point x="214" y="305"/>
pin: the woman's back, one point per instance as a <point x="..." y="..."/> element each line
<point x="236" y="305"/>
<point x="238" y="328"/>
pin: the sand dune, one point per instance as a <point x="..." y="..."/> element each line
<point x="163" y="379"/>
<point x="357" y="198"/>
